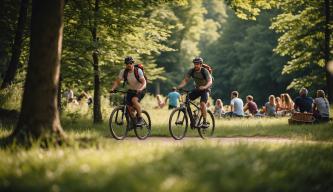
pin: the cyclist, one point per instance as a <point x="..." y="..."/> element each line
<point x="203" y="82"/>
<point x="136" y="86"/>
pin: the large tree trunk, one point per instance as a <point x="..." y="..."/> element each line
<point x="39" y="118"/>
<point x="97" y="96"/>
<point x="329" y="76"/>
<point x="17" y="45"/>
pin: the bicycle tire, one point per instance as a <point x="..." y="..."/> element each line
<point x="145" y="128"/>
<point x="118" y="129"/>
<point x="175" y="115"/>
<point x="207" y="132"/>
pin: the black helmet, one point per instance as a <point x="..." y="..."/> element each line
<point x="128" y="60"/>
<point x="198" y="60"/>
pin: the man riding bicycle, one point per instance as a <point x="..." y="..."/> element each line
<point x="136" y="86"/>
<point x="203" y="82"/>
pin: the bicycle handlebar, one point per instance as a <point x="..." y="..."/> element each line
<point x="118" y="91"/>
<point x="184" y="91"/>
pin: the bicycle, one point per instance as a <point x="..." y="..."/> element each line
<point x="178" y="121"/>
<point x="121" y="121"/>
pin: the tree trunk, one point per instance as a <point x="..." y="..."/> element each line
<point x="329" y="76"/>
<point x="17" y="46"/>
<point x="39" y="118"/>
<point x="97" y="96"/>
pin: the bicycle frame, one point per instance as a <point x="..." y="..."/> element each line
<point x="188" y="104"/>
<point x="125" y="108"/>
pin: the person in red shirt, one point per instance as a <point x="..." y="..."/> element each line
<point x="250" y="105"/>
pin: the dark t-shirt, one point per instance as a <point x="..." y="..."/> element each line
<point x="252" y="107"/>
<point x="198" y="77"/>
<point x="303" y="104"/>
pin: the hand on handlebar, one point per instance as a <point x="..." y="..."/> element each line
<point x="112" y="91"/>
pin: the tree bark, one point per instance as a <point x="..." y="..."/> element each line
<point x="39" y="118"/>
<point x="17" y="45"/>
<point x="97" y="96"/>
<point x="59" y="93"/>
<point x="329" y="76"/>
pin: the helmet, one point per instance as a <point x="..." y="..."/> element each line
<point x="128" y="60"/>
<point x="198" y="60"/>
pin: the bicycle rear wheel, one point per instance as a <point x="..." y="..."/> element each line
<point x="118" y="123"/>
<point x="178" y="123"/>
<point x="209" y="131"/>
<point x="142" y="132"/>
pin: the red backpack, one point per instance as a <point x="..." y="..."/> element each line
<point x="136" y="73"/>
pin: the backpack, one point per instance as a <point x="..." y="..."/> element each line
<point x="204" y="66"/>
<point x="136" y="73"/>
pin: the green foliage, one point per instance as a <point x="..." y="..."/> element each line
<point x="243" y="59"/>
<point x="124" y="28"/>
<point x="197" y="25"/>
<point x="10" y="97"/>
<point x="250" y="9"/>
<point x="301" y="24"/>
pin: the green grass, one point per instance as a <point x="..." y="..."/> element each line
<point x="169" y="166"/>
<point x="93" y="161"/>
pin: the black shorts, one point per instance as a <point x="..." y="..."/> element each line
<point x="172" y="107"/>
<point x="133" y="93"/>
<point x="195" y="93"/>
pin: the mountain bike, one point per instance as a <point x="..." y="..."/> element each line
<point x="178" y="121"/>
<point x="122" y="121"/>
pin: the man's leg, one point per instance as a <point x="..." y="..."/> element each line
<point x="136" y="105"/>
<point x="203" y="108"/>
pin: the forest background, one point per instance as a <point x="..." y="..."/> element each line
<point x="254" y="47"/>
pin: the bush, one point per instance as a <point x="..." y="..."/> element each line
<point x="10" y="97"/>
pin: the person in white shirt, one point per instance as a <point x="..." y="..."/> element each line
<point x="136" y="83"/>
<point x="236" y="105"/>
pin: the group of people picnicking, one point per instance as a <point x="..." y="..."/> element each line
<point x="276" y="106"/>
<point x="281" y="105"/>
<point x="71" y="98"/>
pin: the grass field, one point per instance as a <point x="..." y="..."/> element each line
<point x="95" y="162"/>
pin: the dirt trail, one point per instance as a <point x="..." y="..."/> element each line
<point x="224" y="140"/>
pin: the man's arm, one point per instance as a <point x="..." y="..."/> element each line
<point x="183" y="83"/>
<point x="115" y="84"/>
<point x="143" y="83"/>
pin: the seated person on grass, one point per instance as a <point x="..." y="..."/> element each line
<point x="270" y="107"/>
<point x="303" y="103"/>
<point x="251" y="106"/>
<point x="236" y="106"/>
<point x="321" y="107"/>
<point x="218" y="109"/>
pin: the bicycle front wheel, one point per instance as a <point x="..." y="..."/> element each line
<point x="209" y="131"/>
<point x="142" y="132"/>
<point x="178" y="123"/>
<point x="118" y="123"/>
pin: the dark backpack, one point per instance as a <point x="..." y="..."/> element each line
<point x="136" y="73"/>
<point x="204" y="66"/>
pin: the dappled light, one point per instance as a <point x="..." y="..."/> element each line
<point x="166" y="95"/>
